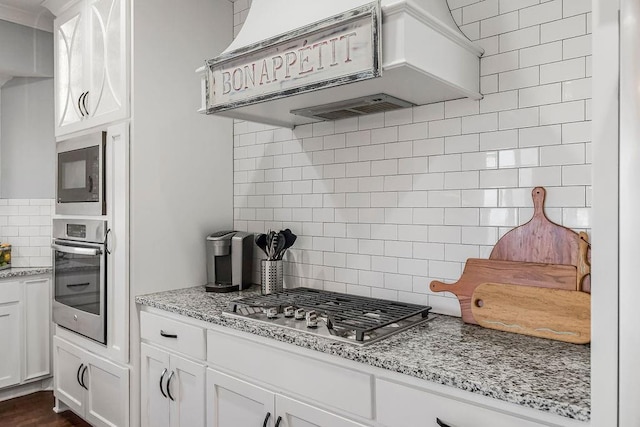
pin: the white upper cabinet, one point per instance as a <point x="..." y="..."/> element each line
<point x="91" y="85"/>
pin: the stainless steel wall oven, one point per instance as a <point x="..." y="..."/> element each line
<point x="80" y="276"/>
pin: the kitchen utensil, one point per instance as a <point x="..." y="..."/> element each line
<point x="584" y="266"/>
<point x="556" y="314"/>
<point x="261" y="242"/>
<point x="273" y="244"/>
<point x="290" y="238"/>
<point x="478" y="271"/>
<point x="280" y="247"/>
<point x="539" y="240"/>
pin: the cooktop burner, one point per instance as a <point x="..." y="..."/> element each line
<point x="349" y="318"/>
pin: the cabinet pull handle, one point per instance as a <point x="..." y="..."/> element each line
<point x="84" y="371"/>
<point x="166" y="335"/>
<point x="161" y="378"/>
<point x="278" y="421"/>
<point x="84" y="103"/>
<point x="79" y="106"/>
<point x="169" y="385"/>
<point x="442" y="423"/>
<point x="266" y="419"/>
<point x="78" y="374"/>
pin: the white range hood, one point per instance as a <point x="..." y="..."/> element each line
<point x="297" y="62"/>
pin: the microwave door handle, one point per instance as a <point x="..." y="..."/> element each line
<point x="76" y="251"/>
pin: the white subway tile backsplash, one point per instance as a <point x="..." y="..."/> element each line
<point x="562" y="113"/>
<point x="479" y="11"/>
<point x="429" y="112"/>
<point x="499" y="24"/>
<point x="517" y="79"/>
<point x="575" y="7"/>
<point x="563" y="29"/>
<point x="499" y="102"/>
<point x="385" y="203"/>
<point x="446" y="127"/>
<point x="511" y="5"/>
<point x="499" y="63"/>
<point x="519" y="39"/>
<point x="499" y="178"/>
<point x="514" y="119"/>
<point x="566" y="154"/>
<point x="540" y="95"/>
<point x="461" y="107"/>
<point x="538" y="136"/>
<point x="481" y="123"/>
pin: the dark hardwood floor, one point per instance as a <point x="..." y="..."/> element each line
<point x="35" y="410"/>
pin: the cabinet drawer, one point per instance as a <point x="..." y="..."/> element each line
<point x="10" y="292"/>
<point x="172" y="334"/>
<point x="284" y="371"/>
<point x="400" y="405"/>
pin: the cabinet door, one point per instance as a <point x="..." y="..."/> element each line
<point x="107" y="395"/>
<point x="37" y="321"/>
<point x="67" y="367"/>
<point x="231" y="402"/>
<point x="154" y="372"/>
<point x="298" y="414"/>
<point x="69" y="48"/>
<point x="11" y="344"/>
<point x="186" y="385"/>
<point x="107" y="98"/>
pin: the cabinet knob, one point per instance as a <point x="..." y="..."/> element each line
<point x="266" y="419"/>
<point x="161" y="378"/>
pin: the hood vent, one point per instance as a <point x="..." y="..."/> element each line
<point x="353" y="107"/>
<point x="335" y="59"/>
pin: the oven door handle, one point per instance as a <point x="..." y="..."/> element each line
<point x="76" y="250"/>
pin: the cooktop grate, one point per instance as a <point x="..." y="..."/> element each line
<point x="357" y="313"/>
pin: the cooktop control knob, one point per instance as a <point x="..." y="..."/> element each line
<point x="272" y="313"/>
<point x="288" y="311"/>
<point x="312" y="319"/>
<point x="299" y="314"/>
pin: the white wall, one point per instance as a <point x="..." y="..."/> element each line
<point x="27" y="143"/>
<point x="25" y="51"/>
<point x="386" y="203"/>
<point x="26" y="225"/>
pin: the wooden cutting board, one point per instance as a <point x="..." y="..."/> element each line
<point x="556" y="314"/>
<point x="539" y="240"/>
<point x="478" y="271"/>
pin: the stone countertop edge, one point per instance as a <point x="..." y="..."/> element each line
<point x="24" y="271"/>
<point x="546" y="375"/>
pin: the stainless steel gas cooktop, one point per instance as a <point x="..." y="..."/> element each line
<point x="348" y="318"/>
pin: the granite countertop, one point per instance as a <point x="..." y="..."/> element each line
<point x="24" y="271"/>
<point x="541" y="374"/>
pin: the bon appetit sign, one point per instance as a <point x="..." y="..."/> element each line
<point x="332" y="52"/>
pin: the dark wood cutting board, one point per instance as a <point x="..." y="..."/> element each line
<point x="539" y="240"/>
<point x="478" y="271"/>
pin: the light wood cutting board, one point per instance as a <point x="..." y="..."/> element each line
<point x="478" y="271"/>
<point x="556" y="314"/>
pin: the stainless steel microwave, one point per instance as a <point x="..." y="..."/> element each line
<point x="80" y="182"/>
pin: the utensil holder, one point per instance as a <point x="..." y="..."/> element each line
<point x="272" y="276"/>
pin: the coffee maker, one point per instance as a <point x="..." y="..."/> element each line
<point x="229" y="257"/>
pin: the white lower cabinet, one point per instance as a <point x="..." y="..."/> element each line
<point x="25" y="330"/>
<point x="94" y="388"/>
<point x="233" y="402"/>
<point x="10" y="350"/>
<point x="173" y="389"/>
